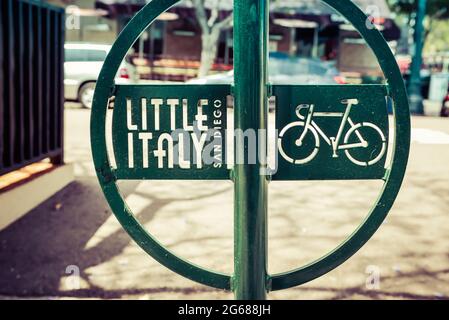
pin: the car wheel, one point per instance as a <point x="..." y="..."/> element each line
<point x="86" y="94"/>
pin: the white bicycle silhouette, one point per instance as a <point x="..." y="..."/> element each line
<point x="334" y="142"/>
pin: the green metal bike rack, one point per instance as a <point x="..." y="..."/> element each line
<point x="145" y="117"/>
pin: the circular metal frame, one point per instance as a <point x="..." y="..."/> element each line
<point x="395" y="174"/>
<point x="103" y="91"/>
<point x="393" y="178"/>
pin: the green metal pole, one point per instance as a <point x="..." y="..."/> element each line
<point x="414" y="88"/>
<point x="251" y="109"/>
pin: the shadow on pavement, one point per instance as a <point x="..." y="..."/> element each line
<point x="37" y="249"/>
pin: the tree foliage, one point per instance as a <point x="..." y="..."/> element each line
<point x="436" y="12"/>
<point x="436" y="9"/>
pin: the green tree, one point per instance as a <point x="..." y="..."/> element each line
<point x="436" y="10"/>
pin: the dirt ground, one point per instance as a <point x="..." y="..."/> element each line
<point x="75" y="230"/>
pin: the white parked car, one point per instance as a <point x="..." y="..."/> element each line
<point x="82" y="65"/>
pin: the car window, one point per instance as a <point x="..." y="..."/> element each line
<point x="84" y="55"/>
<point x="96" y="55"/>
<point x="75" y="55"/>
<point x="296" y="66"/>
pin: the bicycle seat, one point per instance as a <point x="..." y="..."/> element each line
<point x="350" y="101"/>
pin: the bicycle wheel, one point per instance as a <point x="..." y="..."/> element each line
<point x="373" y="151"/>
<point x="307" y="151"/>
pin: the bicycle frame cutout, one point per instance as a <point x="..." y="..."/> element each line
<point x="334" y="142"/>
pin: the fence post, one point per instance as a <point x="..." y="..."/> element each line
<point x="250" y="190"/>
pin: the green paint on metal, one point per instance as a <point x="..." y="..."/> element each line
<point x="354" y="115"/>
<point x="250" y="185"/>
<point x="414" y="85"/>
<point x="331" y="132"/>
<point x="105" y="86"/>
<point x="170" y="132"/>
<point x="396" y="168"/>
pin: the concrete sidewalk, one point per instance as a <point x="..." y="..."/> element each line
<point x="74" y="230"/>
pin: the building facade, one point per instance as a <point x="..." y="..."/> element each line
<point x="171" y="48"/>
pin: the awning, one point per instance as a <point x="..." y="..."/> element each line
<point x="296" y="23"/>
<point x="82" y="12"/>
<point x="308" y="7"/>
<point x="307" y="10"/>
<point x="117" y="8"/>
<point x="318" y="7"/>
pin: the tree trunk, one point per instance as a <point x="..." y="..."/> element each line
<point x="208" y="52"/>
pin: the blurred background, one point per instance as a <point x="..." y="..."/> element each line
<point x="58" y="238"/>
<point x="177" y="48"/>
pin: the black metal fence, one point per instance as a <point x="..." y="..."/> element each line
<point x="31" y="83"/>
